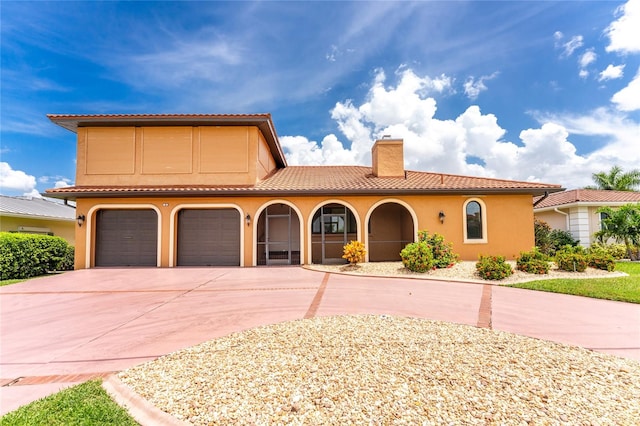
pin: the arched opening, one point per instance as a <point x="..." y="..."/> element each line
<point x="333" y="226"/>
<point x="390" y="229"/>
<point x="278" y="236"/>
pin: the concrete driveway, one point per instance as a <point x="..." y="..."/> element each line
<point x="60" y="330"/>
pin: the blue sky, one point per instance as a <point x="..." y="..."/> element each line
<point x="542" y="91"/>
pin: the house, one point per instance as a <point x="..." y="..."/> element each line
<point x="576" y="210"/>
<point x="171" y="190"/>
<point x="34" y="215"/>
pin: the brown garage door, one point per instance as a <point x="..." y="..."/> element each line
<point x="126" y="238"/>
<point x="209" y="237"/>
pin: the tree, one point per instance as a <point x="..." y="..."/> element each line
<point x="616" y="180"/>
<point x="623" y="224"/>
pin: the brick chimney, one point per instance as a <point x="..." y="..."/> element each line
<point x="387" y="157"/>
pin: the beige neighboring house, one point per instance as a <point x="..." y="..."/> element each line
<point x="576" y="210"/>
<point x="32" y="215"/>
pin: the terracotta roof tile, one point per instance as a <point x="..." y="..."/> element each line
<point x="589" y="196"/>
<point x="333" y="180"/>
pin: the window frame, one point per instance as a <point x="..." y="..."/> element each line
<point x="483" y="218"/>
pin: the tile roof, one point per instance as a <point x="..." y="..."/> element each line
<point x="35" y="208"/>
<point x="301" y="180"/>
<point x="589" y="196"/>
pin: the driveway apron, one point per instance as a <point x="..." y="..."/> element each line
<point x="60" y="330"/>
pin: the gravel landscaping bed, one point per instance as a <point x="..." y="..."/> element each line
<point x="375" y="369"/>
<point x="463" y="271"/>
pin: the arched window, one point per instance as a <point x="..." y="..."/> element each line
<point x="475" y="222"/>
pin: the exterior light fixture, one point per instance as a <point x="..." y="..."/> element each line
<point x="80" y="220"/>
<point x="441" y="216"/>
<point x="248" y="219"/>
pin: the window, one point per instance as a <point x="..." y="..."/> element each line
<point x="603" y="216"/>
<point x="475" y="222"/>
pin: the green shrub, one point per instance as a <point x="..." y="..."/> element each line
<point x="443" y="255"/>
<point x="417" y="257"/>
<point x="27" y="255"/>
<point x="533" y="262"/>
<point x="572" y="259"/>
<point x="68" y="262"/>
<point x="354" y="252"/>
<point x="560" y="239"/>
<point x="542" y="232"/>
<point x="616" y="250"/>
<point x="599" y="257"/>
<point x="493" y="268"/>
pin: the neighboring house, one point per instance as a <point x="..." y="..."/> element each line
<point x="576" y="211"/>
<point x="196" y="190"/>
<point x="34" y="215"/>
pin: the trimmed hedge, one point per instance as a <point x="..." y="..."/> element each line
<point x="493" y="268"/>
<point x="533" y="262"/>
<point x="27" y="255"/>
<point x="417" y="257"/>
<point x="572" y="259"/>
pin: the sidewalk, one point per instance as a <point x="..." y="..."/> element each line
<point x="62" y="330"/>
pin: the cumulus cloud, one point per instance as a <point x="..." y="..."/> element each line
<point x="628" y="99"/>
<point x="56" y="181"/>
<point x="16" y="180"/>
<point x="624" y="33"/>
<point x="472" y="144"/>
<point x="612" y="72"/>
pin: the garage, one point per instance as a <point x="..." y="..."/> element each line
<point x="208" y="237"/>
<point x="126" y="238"/>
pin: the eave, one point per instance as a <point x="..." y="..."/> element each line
<point x="79" y="192"/>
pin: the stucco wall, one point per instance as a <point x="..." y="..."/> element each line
<point x="177" y="155"/>
<point x="554" y="219"/>
<point x="60" y="228"/>
<point x="509" y="220"/>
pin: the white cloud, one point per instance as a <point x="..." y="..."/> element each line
<point x="473" y="143"/>
<point x="473" y="87"/>
<point x="34" y="193"/>
<point x="612" y="72"/>
<point x="586" y="59"/>
<point x="570" y="46"/>
<point x="628" y="99"/>
<point x="624" y="33"/>
<point x="15" y="180"/>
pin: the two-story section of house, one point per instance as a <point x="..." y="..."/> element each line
<point x="168" y="190"/>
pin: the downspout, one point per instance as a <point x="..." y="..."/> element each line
<point x="544" y="197"/>
<point x="566" y="216"/>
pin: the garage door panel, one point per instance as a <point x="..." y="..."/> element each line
<point x="208" y="237"/>
<point x="126" y="238"/>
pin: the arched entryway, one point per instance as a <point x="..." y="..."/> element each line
<point x="278" y="236"/>
<point x="390" y="228"/>
<point x="333" y="226"/>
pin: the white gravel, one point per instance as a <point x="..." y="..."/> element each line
<point x="462" y="271"/>
<point x="382" y="370"/>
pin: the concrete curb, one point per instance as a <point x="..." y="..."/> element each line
<point x="139" y="408"/>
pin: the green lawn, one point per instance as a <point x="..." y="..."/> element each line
<point x="84" y="404"/>
<point x="624" y="289"/>
<point x="7" y="282"/>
